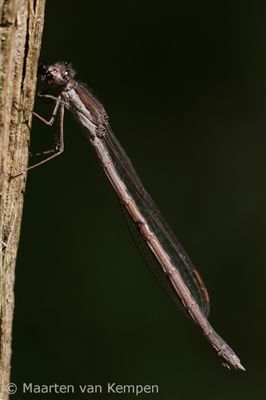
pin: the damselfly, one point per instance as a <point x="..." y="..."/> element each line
<point x="158" y="244"/>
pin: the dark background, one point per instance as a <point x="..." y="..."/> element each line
<point x="184" y="84"/>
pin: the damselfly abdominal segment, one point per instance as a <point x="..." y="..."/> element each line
<point x="157" y="243"/>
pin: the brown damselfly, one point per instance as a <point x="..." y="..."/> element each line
<point x="158" y="244"/>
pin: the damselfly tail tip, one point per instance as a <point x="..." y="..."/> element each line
<point x="234" y="366"/>
<point x="240" y="366"/>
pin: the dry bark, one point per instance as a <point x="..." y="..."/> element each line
<point x="21" y="24"/>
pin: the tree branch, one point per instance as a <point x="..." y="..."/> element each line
<point x="21" y="24"/>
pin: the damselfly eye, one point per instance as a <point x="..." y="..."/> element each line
<point x="42" y="68"/>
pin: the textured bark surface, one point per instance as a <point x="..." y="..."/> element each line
<point x="21" y="24"/>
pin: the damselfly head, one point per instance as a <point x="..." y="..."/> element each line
<point x="58" y="74"/>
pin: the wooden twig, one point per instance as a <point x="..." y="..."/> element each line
<point x="21" y="24"/>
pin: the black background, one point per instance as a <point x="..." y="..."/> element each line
<point x="184" y="86"/>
